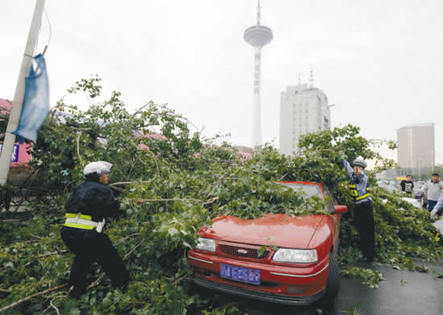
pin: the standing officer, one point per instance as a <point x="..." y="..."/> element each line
<point x="363" y="206"/>
<point x="86" y="209"/>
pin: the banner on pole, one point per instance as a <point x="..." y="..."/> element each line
<point x="36" y="100"/>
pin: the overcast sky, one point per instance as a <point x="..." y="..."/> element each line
<point x="380" y="62"/>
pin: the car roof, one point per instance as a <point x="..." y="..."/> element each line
<point x="320" y="185"/>
<point x="297" y="182"/>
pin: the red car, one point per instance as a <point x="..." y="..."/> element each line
<point x="276" y="258"/>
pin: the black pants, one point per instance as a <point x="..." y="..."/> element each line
<point x="88" y="247"/>
<point x="431" y="204"/>
<point x="364" y="221"/>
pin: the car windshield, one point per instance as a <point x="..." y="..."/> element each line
<point x="307" y="189"/>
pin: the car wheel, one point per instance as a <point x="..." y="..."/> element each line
<point x="333" y="284"/>
<point x="337" y="247"/>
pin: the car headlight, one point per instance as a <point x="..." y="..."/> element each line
<point x="206" y="244"/>
<point x="304" y="256"/>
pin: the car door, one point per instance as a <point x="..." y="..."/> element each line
<point x="335" y="218"/>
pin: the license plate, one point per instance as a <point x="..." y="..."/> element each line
<point x="240" y="274"/>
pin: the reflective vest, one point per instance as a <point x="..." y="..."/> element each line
<point x="354" y="192"/>
<point x="83" y="221"/>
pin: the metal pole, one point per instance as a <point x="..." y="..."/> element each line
<point x="14" y="116"/>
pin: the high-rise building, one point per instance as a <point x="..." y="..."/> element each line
<point x="257" y="36"/>
<point x="416" y="146"/>
<point x="303" y="109"/>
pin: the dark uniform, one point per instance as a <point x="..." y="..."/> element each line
<point x="363" y="211"/>
<point x="91" y="202"/>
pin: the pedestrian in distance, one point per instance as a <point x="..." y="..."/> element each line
<point x="438" y="208"/>
<point x="363" y="206"/>
<point x="407" y="186"/>
<point x="433" y="190"/>
<point x="87" y="208"/>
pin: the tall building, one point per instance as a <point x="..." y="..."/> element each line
<point x="257" y="36"/>
<point x="303" y="109"/>
<point x="416" y="146"/>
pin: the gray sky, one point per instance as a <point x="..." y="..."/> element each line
<point x="380" y="62"/>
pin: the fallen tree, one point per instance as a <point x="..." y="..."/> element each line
<point x="175" y="182"/>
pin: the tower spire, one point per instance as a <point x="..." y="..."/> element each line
<point x="258" y="12"/>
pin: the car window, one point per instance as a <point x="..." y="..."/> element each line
<point x="309" y="190"/>
<point x="329" y="200"/>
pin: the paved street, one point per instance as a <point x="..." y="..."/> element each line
<point x="402" y="293"/>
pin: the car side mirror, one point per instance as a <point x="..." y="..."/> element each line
<point x="340" y="209"/>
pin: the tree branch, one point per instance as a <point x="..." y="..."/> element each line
<point x="54" y="307"/>
<point x="169" y="199"/>
<point x="78" y="147"/>
<point x="133" y="249"/>
<point x="7" y="307"/>
<point x="125" y="238"/>
<point x="209" y="201"/>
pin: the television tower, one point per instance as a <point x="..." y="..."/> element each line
<point x="257" y="36"/>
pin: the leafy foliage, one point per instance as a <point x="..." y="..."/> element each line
<point x="368" y="276"/>
<point x="176" y="182"/>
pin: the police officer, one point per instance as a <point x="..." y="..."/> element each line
<point x="363" y="206"/>
<point x="86" y="209"/>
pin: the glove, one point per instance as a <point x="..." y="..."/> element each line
<point x="433" y="213"/>
<point x="343" y="155"/>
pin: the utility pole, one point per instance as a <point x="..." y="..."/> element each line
<point x="14" y="115"/>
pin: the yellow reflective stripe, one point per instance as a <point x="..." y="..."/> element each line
<point x="363" y="197"/>
<point x="353" y="190"/>
<point x="81" y="216"/>
<point x="80" y="226"/>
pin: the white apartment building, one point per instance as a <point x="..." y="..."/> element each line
<point x="303" y="109"/>
<point x="416" y="146"/>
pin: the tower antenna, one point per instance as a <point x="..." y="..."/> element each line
<point x="258" y="12"/>
<point x="311" y="78"/>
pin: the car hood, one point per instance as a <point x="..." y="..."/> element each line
<point x="279" y="230"/>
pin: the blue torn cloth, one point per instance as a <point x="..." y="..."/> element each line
<point x="36" y="101"/>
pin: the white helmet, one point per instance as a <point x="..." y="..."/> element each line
<point x="99" y="167"/>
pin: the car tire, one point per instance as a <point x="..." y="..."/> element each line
<point x="336" y="248"/>
<point x="333" y="284"/>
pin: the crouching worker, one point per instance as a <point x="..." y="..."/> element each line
<point x="86" y="209"/>
<point x="363" y="207"/>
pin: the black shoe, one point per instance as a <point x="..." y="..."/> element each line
<point x="75" y="292"/>
<point x="369" y="260"/>
<point x="365" y="261"/>
<point x="121" y="286"/>
<point x="124" y="288"/>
